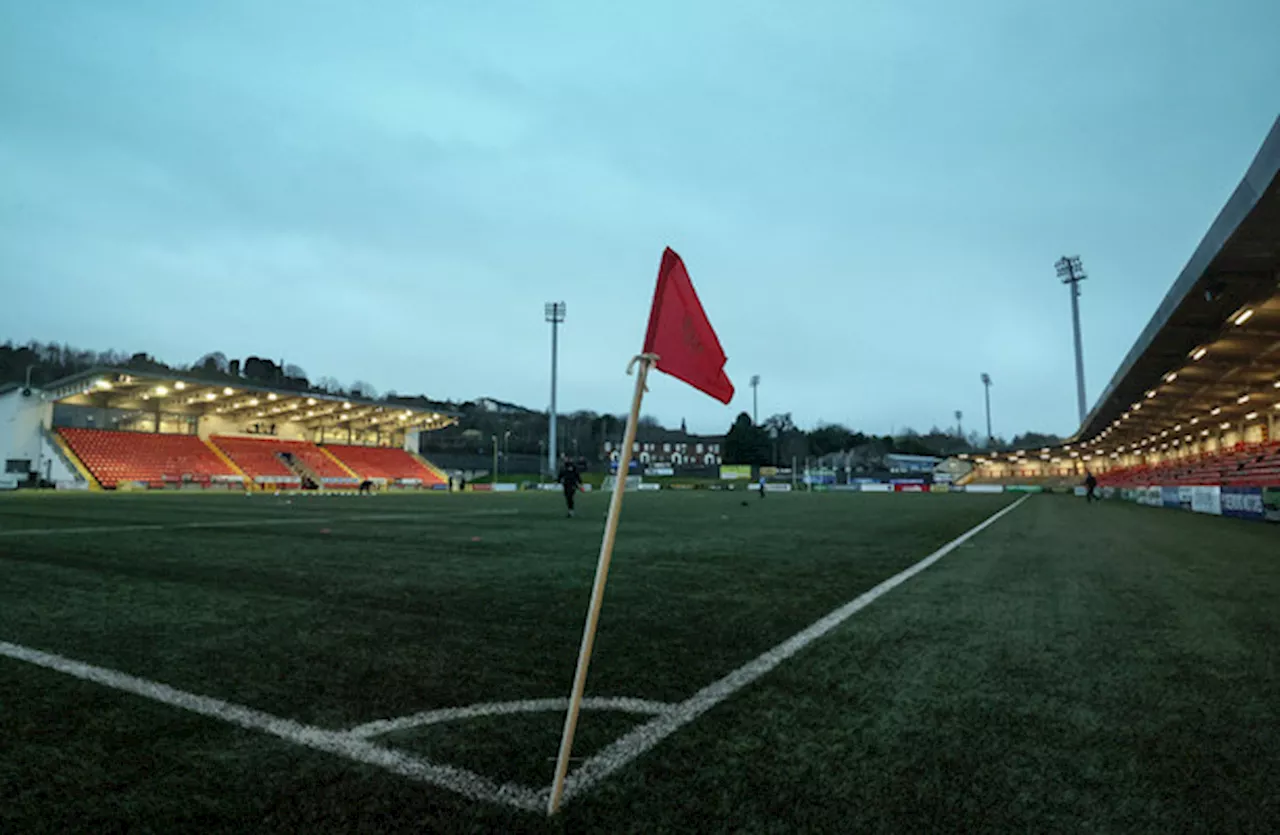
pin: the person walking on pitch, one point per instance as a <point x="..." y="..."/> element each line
<point x="1091" y="487"/>
<point x="571" y="480"/>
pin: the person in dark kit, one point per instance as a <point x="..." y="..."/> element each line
<point x="762" y="487"/>
<point x="366" y="486"/>
<point x="1090" y="486"/>
<point x="570" y="479"/>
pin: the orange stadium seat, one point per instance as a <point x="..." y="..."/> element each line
<point x="114" y="457"/>
<point x="384" y="463"/>
<point x="260" y="459"/>
<point x="1257" y="465"/>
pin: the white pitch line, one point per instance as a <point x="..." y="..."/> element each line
<point x="459" y="780"/>
<point x="621" y="704"/>
<point x="626" y="748"/>
<point x="244" y="523"/>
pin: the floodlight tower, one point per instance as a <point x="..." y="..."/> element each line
<point x="960" y="424"/>
<point x="1070" y="271"/>
<point x="755" y="399"/>
<point x="986" y="389"/>
<point x="555" y="315"/>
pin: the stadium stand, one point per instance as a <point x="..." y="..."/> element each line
<point x="1258" y="465"/>
<point x="384" y="463"/>
<point x="270" y="457"/>
<point x="145" y="457"/>
<point x="258" y="459"/>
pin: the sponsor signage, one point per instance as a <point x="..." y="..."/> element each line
<point x="1243" y="502"/>
<point x="1184" y="497"/>
<point x="659" y="470"/>
<point x="777" y="488"/>
<point x="633" y="467"/>
<point x="984" y="488"/>
<point x="730" y="472"/>
<point x="910" y="488"/>
<point x="1024" y="488"/>
<point x="643" y="486"/>
<point x="940" y="488"/>
<point x="503" y="487"/>
<point x="1169" y="497"/>
<point x="1271" y="504"/>
<point x="877" y="488"/>
<point x="1207" y="500"/>
<point x="1082" y="491"/>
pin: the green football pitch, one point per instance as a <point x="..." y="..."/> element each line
<point x="399" y="663"/>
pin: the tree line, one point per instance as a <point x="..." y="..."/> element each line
<point x="582" y="434"/>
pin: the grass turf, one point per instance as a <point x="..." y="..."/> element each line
<point x="1105" y="667"/>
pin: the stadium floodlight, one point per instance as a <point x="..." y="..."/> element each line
<point x="554" y="314"/>
<point x="179" y="385"/>
<point x="1245" y="315"/>
<point x="1171" y="376"/>
<point x="755" y="399"/>
<point x="1224" y="425"/>
<point x="161" y="391"/>
<point x="986" y="387"/>
<point x="228" y="391"/>
<point x="1244" y="398"/>
<point x="1195" y="420"/>
<point x="1070" y="271"/>
<point x="273" y="396"/>
<point x="1251" y="416"/>
<point x="1199" y="353"/>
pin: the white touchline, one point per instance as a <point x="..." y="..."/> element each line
<point x="246" y="523"/>
<point x="626" y="748"/>
<point x="464" y="782"/>
<point x="620" y="704"/>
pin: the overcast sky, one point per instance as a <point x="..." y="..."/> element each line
<point x="869" y="196"/>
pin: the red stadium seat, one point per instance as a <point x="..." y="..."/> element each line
<point x="386" y="463"/>
<point x="152" y="458"/>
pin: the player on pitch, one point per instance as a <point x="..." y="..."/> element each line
<point x="571" y="480"/>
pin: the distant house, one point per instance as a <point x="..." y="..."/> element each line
<point x="656" y="448"/>
<point x="490" y="404"/>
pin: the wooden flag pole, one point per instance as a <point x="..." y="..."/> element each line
<point x="597" y="590"/>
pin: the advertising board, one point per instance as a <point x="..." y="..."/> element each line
<point x="504" y="488"/>
<point x="984" y="488"/>
<point x="877" y="488"/>
<point x="1169" y="497"/>
<point x="659" y="470"/>
<point x="646" y="486"/>
<point x="940" y="488"/>
<point x="1081" y="492"/>
<point x="1271" y="504"/>
<point x="1023" y="488"/>
<point x="770" y="487"/>
<point x="1243" y="503"/>
<point x="1184" y="497"/>
<point x="729" y="472"/>
<point x="1206" y="500"/>
<point x="910" y="488"/>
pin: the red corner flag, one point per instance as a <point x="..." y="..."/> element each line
<point x="680" y="334"/>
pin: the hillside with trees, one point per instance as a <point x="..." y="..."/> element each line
<point x="521" y="431"/>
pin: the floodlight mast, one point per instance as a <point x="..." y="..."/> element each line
<point x="1070" y="271"/>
